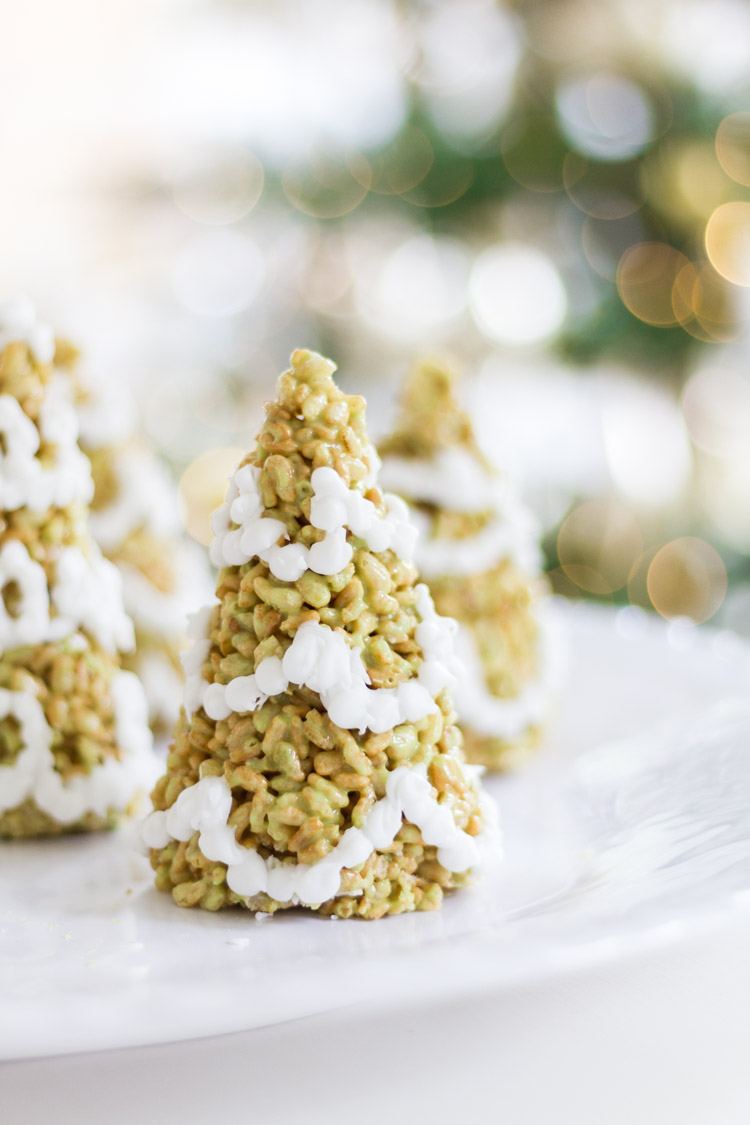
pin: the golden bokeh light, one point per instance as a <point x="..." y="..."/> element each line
<point x="733" y="147"/>
<point x="715" y="316"/>
<point x="685" y="294"/>
<point x="687" y="578"/>
<point x="597" y="545"/>
<point x="685" y="181"/>
<point x="728" y="242"/>
<point x="647" y="275"/>
<point x="326" y="189"/>
<point x="637" y="586"/>
<point x="203" y="488"/>
<point x="699" y="182"/>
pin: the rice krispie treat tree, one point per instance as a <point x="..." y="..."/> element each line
<point x="317" y="761"/>
<point x="135" y="521"/>
<point x="478" y="551"/>
<point x="75" y="748"/>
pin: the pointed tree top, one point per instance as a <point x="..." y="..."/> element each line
<point x="313" y="424"/>
<point x="431" y="418"/>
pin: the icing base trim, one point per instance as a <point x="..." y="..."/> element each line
<point x="206" y="806"/>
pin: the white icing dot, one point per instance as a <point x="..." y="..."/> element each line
<point x="260" y="535"/>
<point x="332" y="554"/>
<point x="214" y="702"/>
<point x="270" y="677"/>
<point x="289" y="562"/>
<point x="243" y="694"/>
<point x="327" y="513"/>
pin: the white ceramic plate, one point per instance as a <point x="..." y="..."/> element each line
<point x="608" y="851"/>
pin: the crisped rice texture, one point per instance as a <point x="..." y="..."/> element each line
<point x="299" y="781"/>
<point x="496" y="605"/>
<point x="70" y="678"/>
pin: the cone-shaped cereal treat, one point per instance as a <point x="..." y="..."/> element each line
<point x="135" y="521"/>
<point x="75" y="748"/>
<point x="478" y="551"/>
<point x="317" y="761"/>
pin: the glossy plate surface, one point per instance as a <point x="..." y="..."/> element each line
<point x="630" y="828"/>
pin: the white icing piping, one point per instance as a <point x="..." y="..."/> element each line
<point x="205" y="808"/>
<point x="131" y="722"/>
<point x="455" y="480"/>
<point x="106" y="414"/>
<point x="195" y="657"/>
<point x="374" y="465"/>
<point x="321" y="659"/>
<point x="333" y="509"/>
<point x="24" y="481"/>
<point x="160" y="613"/>
<point x="86" y="594"/>
<point x="491" y="716"/>
<point x="162" y="684"/>
<point x="113" y="784"/>
<point x="510" y="535"/>
<point x="31" y="623"/>
<point x="144" y="499"/>
<point x="18" y="324"/>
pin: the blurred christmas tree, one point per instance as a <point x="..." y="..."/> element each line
<point x="591" y="137"/>
<point x="561" y="185"/>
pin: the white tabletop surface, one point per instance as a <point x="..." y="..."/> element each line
<point x="660" y="1036"/>
<point x="661" y="1040"/>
